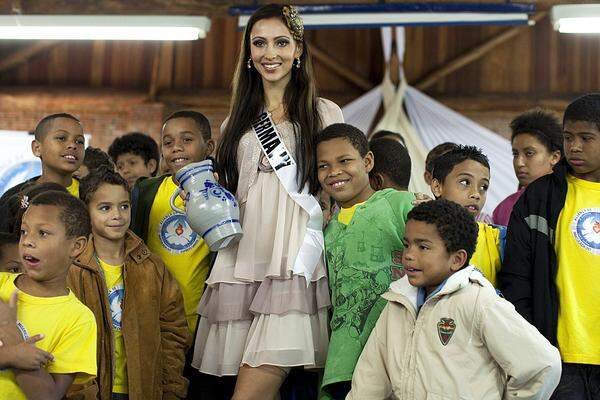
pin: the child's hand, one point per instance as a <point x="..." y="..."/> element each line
<point x="420" y="198"/>
<point x="8" y="311"/>
<point x="25" y="355"/>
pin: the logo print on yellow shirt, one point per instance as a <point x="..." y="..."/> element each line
<point x="586" y="229"/>
<point x="176" y="235"/>
<point x="115" y="300"/>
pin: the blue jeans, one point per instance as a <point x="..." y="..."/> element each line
<point x="578" y="382"/>
<point x="119" y="396"/>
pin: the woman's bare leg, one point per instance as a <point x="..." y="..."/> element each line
<point x="259" y="383"/>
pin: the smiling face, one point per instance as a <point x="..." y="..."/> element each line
<point x="582" y="149"/>
<point x="45" y="249"/>
<point x="343" y="173"/>
<point x="110" y="211"/>
<point x="62" y="147"/>
<point x="182" y="143"/>
<point x="467" y="184"/>
<point x="132" y="166"/>
<point x="426" y="260"/>
<point x="531" y="159"/>
<point x="273" y="50"/>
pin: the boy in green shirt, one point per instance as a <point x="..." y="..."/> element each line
<point x="363" y="246"/>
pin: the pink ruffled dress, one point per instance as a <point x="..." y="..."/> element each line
<point x="255" y="311"/>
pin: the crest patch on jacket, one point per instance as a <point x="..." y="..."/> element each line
<point x="446" y="328"/>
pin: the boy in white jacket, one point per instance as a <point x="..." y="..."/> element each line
<point x="445" y="333"/>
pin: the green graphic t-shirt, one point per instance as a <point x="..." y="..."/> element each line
<point x="363" y="258"/>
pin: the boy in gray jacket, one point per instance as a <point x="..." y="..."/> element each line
<point x="445" y="333"/>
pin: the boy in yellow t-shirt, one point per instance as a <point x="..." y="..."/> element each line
<point x="54" y="232"/>
<point x="552" y="265"/>
<point x="462" y="175"/>
<point x="185" y="138"/>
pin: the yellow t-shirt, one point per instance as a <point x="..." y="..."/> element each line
<point x="73" y="188"/>
<point x="183" y="251"/>
<point x="116" y="294"/>
<point x="69" y="328"/>
<point x="487" y="253"/>
<point x="578" y="251"/>
<point x="345" y="215"/>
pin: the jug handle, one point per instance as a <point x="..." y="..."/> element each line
<point x="173" y="197"/>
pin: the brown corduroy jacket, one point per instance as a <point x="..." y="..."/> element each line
<point x="154" y="327"/>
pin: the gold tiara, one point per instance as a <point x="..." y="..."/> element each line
<point x="294" y="22"/>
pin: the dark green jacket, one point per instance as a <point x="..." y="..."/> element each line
<point x="142" y="197"/>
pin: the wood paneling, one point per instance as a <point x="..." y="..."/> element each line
<point x="538" y="62"/>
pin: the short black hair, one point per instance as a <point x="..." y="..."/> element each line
<point x="584" y="108"/>
<point x="90" y="184"/>
<point x="455" y="225"/>
<point x="542" y="124"/>
<point x="42" y="126"/>
<point x="18" y="202"/>
<point x="352" y="134"/>
<point x="135" y="143"/>
<point x="95" y="158"/>
<point x="199" y="118"/>
<point x="391" y="159"/>
<point x="383" y="133"/>
<point x="437" y="151"/>
<point x="73" y="213"/>
<point x="444" y="164"/>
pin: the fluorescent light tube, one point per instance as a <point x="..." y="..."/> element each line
<point x="576" y="18"/>
<point x="103" y="27"/>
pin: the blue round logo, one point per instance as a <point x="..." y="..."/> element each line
<point x="19" y="172"/>
<point x="176" y="235"/>
<point x="115" y="301"/>
<point x="586" y="229"/>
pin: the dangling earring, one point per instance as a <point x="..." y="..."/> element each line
<point x="249" y="63"/>
<point x="297" y="63"/>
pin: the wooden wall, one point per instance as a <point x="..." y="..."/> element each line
<point x="537" y="67"/>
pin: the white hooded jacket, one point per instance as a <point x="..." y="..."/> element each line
<point x="465" y="342"/>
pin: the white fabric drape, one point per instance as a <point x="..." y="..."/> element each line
<point x="428" y="124"/>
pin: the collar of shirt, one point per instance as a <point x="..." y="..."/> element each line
<point x="422" y="294"/>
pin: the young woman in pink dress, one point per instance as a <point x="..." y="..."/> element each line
<point x="258" y="318"/>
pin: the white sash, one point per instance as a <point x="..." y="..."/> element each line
<point x="285" y="168"/>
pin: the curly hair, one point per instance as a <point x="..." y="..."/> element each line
<point x="90" y="184"/>
<point x="353" y="135"/>
<point x="135" y="143"/>
<point x="455" y="225"/>
<point x="444" y="164"/>
<point x="95" y="158"/>
<point x="542" y="124"/>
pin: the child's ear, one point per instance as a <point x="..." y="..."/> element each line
<point x="153" y="165"/>
<point x="376" y="181"/>
<point x="78" y="246"/>
<point x="36" y="148"/>
<point x="436" y="188"/>
<point x="458" y="259"/>
<point x="555" y="157"/>
<point x="369" y="160"/>
<point x="210" y="146"/>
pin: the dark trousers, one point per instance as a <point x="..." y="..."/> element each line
<point x="578" y="382"/>
<point x="119" y="396"/>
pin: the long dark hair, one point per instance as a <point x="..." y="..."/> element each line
<point x="247" y="101"/>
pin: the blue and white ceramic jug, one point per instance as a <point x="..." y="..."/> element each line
<point x="211" y="210"/>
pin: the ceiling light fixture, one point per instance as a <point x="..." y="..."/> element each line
<point x="576" y="18"/>
<point x="103" y="27"/>
<point x="403" y="14"/>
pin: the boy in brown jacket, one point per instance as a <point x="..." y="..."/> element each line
<point x="445" y="333"/>
<point x="142" y="330"/>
